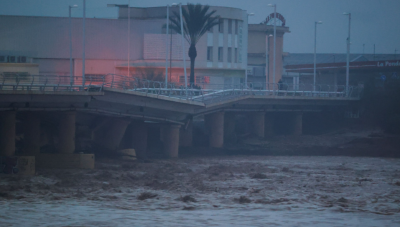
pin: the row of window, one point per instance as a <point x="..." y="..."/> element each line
<point x="220" y="27"/>
<point x="221" y="54"/>
<point x="198" y="79"/>
<point x="230" y="24"/>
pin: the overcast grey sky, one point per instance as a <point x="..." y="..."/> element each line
<point x="373" y="21"/>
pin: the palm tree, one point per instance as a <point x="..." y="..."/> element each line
<point x="197" y="21"/>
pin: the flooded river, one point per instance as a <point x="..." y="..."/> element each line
<point x="209" y="191"/>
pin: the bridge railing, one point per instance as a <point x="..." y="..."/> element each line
<point x="17" y="81"/>
<point x="199" y="92"/>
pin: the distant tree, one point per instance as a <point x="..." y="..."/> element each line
<point x="197" y="21"/>
<point x="152" y="76"/>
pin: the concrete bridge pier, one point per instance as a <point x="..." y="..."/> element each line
<point x="31" y="127"/>
<point x="66" y="133"/>
<point x="229" y="126"/>
<point x="215" y="125"/>
<point x="257" y="123"/>
<point x="170" y="137"/>
<point x="269" y="124"/>
<point x="7" y="133"/>
<point x="186" y="135"/>
<point x="297" y="124"/>
<point x="114" y="133"/>
<point x="138" y="128"/>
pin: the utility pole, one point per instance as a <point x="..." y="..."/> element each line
<point x="274" y="60"/>
<point x="83" y="45"/>
<point x="374" y="51"/>
<point x="315" y="52"/>
<point x="348" y="56"/>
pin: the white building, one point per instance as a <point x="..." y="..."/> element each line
<point x="44" y="41"/>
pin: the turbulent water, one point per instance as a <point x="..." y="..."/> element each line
<point x="79" y="214"/>
<point x="225" y="191"/>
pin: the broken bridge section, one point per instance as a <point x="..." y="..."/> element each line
<point x="61" y="115"/>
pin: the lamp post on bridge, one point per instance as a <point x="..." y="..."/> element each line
<point x="274" y="61"/>
<point x="348" y="56"/>
<point x="83" y="44"/>
<point x="245" y="77"/>
<point x="166" y="46"/>
<point x="71" y="76"/>
<point x="183" y="45"/>
<point x="315" y="52"/>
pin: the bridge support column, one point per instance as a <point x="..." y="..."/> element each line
<point x="139" y="138"/>
<point x="297" y="128"/>
<point x="66" y="133"/>
<point x="31" y="125"/>
<point x="269" y="124"/>
<point x="114" y="133"/>
<point x="229" y="126"/>
<point x="170" y="138"/>
<point x="7" y="133"/>
<point x="215" y="125"/>
<point x="257" y="123"/>
<point x="186" y="135"/>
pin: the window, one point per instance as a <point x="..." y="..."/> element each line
<point x="236" y="26"/>
<point x="95" y="77"/>
<point x="230" y="26"/>
<point x="210" y="30"/>
<point x="221" y="25"/>
<point x="230" y="54"/>
<point x="236" y="55"/>
<point x="209" y="54"/>
<point x="220" y="54"/>
<point x="182" y="79"/>
<point x="202" y="79"/>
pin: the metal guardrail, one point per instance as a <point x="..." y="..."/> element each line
<point x="16" y="82"/>
<point x="202" y="92"/>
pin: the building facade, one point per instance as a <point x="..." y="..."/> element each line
<point x="40" y="45"/>
<point x="261" y="51"/>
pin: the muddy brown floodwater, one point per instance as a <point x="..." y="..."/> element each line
<point x="209" y="191"/>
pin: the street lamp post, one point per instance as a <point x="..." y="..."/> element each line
<point x="166" y="49"/>
<point x="71" y="80"/>
<point x="274" y="60"/>
<point x="183" y="44"/>
<point x="129" y="30"/>
<point x="83" y="45"/>
<point x="245" y="78"/>
<point x="267" y="56"/>
<point x="315" y="52"/>
<point x="129" y="38"/>
<point x="348" y="56"/>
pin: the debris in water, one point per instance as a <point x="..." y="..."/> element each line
<point x="259" y="176"/>
<point x="146" y="195"/>
<point x="188" y="208"/>
<point x="242" y="199"/>
<point x="188" y="198"/>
